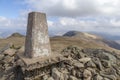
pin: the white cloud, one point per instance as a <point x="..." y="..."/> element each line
<point x="82" y="15"/>
<point x="16" y="23"/>
<point x="98" y="25"/>
<point x="76" y="7"/>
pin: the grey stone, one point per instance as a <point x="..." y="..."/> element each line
<point x="8" y="59"/>
<point x="57" y="75"/>
<point x="111" y="77"/>
<point x="78" y="64"/>
<point x="50" y="78"/>
<point x="73" y="78"/>
<point x="97" y="77"/>
<point x="22" y="49"/>
<point x="87" y="75"/>
<point x="98" y="63"/>
<point x="10" y="52"/>
<point x="81" y="55"/>
<point x="37" y="39"/>
<point x="45" y="77"/>
<point x="73" y="72"/>
<point x="1" y="56"/>
<point x="106" y="79"/>
<point x="92" y="70"/>
<point x="79" y="74"/>
<point x="90" y="64"/>
<point x="85" y="60"/>
<point x="106" y="63"/>
<point x="65" y="76"/>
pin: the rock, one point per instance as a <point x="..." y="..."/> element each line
<point x="97" y="77"/>
<point x="87" y="75"/>
<point x="81" y="55"/>
<point x="90" y="64"/>
<point x="10" y="52"/>
<point x="20" y="62"/>
<point x="65" y="76"/>
<point x="72" y="78"/>
<point x="98" y="63"/>
<point x="65" y="73"/>
<point x="1" y="56"/>
<point x="78" y="64"/>
<point x="50" y="78"/>
<point x="21" y="50"/>
<point x="111" y="77"/>
<point x="105" y="63"/>
<point x="45" y="77"/>
<point x="94" y="64"/>
<point x="73" y="72"/>
<point x="8" y="59"/>
<point x="79" y="74"/>
<point x="57" y="75"/>
<point x="92" y="70"/>
<point x="84" y="60"/>
<point x="106" y="79"/>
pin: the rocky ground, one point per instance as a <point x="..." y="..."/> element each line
<point x="81" y="64"/>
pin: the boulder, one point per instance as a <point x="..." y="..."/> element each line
<point x="1" y="57"/>
<point x="98" y="63"/>
<point x="85" y="60"/>
<point x="57" y="75"/>
<point x="90" y="64"/>
<point x="72" y="78"/>
<point x="87" y="75"/>
<point x="73" y="72"/>
<point x="8" y="59"/>
<point x="78" y="64"/>
<point x="97" y="77"/>
<point x="50" y="78"/>
<point x="10" y="52"/>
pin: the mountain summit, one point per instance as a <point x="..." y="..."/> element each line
<point x="92" y="38"/>
<point x="81" y="35"/>
<point x="16" y="35"/>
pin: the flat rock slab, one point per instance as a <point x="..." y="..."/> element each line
<point x="32" y="63"/>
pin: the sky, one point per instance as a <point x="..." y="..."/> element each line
<point x="63" y="15"/>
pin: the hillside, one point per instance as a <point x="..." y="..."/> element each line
<point x="16" y="39"/>
<point x="92" y="37"/>
<point x="83" y="40"/>
<point x="82" y="35"/>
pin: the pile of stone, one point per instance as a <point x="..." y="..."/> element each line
<point x="80" y="64"/>
<point x="7" y="62"/>
<point x="87" y="64"/>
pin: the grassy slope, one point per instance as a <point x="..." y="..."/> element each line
<point x="58" y="43"/>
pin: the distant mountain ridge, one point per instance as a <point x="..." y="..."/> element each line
<point x="81" y="39"/>
<point x="4" y="33"/>
<point x="94" y="37"/>
<point x="16" y="35"/>
<point x="81" y="35"/>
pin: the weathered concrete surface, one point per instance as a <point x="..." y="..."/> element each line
<point x="37" y="39"/>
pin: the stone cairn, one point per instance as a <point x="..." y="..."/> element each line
<point x="37" y="59"/>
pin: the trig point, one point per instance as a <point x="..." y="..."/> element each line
<point x="37" y="39"/>
<point x="37" y="59"/>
